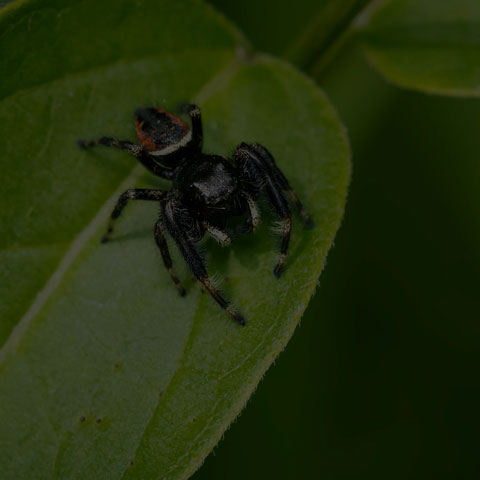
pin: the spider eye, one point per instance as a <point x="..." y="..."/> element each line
<point x="161" y="132"/>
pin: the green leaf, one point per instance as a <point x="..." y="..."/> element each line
<point x="105" y="372"/>
<point x="428" y="45"/>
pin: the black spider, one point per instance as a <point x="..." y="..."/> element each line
<point x="207" y="189"/>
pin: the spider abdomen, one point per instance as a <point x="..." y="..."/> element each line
<point x="210" y="186"/>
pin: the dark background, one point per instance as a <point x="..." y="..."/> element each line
<point x="381" y="378"/>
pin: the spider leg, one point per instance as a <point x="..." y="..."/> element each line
<point x="253" y="218"/>
<point x="176" y="217"/>
<point x="136" y="150"/>
<point x="196" y="117"/>
<point x="284" y="227"/>
<point x="167" y="259"/>
<point x="283" y="182"/>
<point x="130" y="194"/>
<point x="218" y="235"/>
<point x="133" y="148"/>
<point x="258" y="177"/>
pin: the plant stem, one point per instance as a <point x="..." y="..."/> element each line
<point x="321" y="40"/>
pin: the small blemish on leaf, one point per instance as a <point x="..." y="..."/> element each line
<point x="103" y="423"/>
<point x="83" y="419"/>
<point x="118" y="366"/>
<point x="132" y="463"/>
<point x="160" y="395"/>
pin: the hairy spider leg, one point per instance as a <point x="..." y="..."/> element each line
<point x="221" y="237"/>
<point x="148" y="161"/>
<point x="253" y="218"/>
<point x="280" y="177"/>
<point x="196" y="118"/>
<point x="254" y="167"/>
<point x="284" y="227"/>
<point x="167" y="259"/>
<point x="174" y="224"/>
<point x="130" y="194"/>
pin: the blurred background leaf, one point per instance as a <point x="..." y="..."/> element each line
<point x="428" y="45"/>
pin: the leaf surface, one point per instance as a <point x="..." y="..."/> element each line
<point x="105" y="372"/>
<point x="427" y="45"/>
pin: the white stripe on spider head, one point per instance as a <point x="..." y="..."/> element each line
<point x="173" y="148"/>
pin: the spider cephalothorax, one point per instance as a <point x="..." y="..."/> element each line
<point x="206" y="191"/>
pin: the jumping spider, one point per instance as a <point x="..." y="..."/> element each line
<point x="207" y="189"/>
